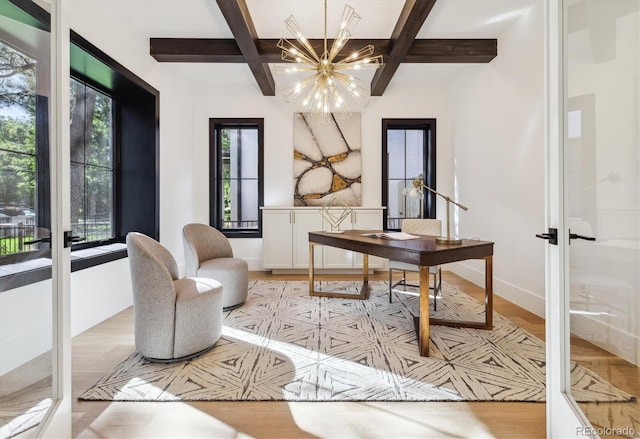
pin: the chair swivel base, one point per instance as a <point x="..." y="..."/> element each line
<point x="175" y="360"/>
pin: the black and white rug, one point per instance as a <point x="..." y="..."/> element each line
<point x="283" y="344"/>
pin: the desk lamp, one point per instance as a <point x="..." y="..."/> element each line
<point x="417" y="190"/>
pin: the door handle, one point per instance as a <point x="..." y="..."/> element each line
<point x="36" y="241"/>
<point x="552" y="236"/>
<point x="70" y="239"/>
<point x="576" y="236"/>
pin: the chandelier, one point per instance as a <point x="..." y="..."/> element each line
<point x="323" y="90"/>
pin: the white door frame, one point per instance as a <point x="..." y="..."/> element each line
<point x="57" y="424"/>
<point x="564" y="417"/>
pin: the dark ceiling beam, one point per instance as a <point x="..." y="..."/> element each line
<point x="452" y="51"/>
<point x="236" y="13"/>
<point x="413" y="15"/>
<point x="270" y="51"/>
<point x="227" y="51"/>
<point x="195" y="50"/>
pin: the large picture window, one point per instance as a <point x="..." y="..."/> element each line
<point x="408" y="153"/>
<point x="236" y="162"/>
<point x="92" y="170"/>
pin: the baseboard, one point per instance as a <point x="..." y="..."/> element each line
<point x="514" y="294"/>
<point x="614" y="340"/>
<point x="320" y="271"/>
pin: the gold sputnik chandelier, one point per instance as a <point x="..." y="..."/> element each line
<point x="323" y="90"/>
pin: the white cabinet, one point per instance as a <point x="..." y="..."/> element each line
<point x="285" y="238"/>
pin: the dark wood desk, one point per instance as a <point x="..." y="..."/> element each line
<point x="424" y="252"/>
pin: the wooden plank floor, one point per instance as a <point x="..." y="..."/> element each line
<point x="100" y="348"/>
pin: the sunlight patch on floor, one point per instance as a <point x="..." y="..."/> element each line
<point x="162" y="420"/>
<point x="388" y="420"/>
<point x="365" y="373"/>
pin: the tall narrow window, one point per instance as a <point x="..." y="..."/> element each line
<point x="236" y="155"/>
<point x="92" y="170"/>
<point x="409" y="154"/>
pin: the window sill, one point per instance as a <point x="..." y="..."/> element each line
<point x="38" y="270"/>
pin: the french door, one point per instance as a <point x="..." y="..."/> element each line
<point x="35" y="343"/>
<point x="593" y="200"/>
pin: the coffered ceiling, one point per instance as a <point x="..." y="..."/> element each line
<point x="450" y="34"/>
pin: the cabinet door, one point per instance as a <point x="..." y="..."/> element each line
<point x="367" y="220"/>
<point x="277" y="239"/>
<point x="335" y="257"/>
<point x="305" y="221"/>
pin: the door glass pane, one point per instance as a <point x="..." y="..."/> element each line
<point x="602" y="178"/>
<point x="26" y="314"/>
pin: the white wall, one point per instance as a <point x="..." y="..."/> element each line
<point x="498" y="141"/>
<point x="97" y="293"/>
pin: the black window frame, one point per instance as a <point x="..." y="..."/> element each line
<point x="429" y="163"/>
<point x="216" y="125"/>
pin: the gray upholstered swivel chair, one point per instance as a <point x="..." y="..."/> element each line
<point x="208" y="253"/>
<point x="175" y="319"/>
<point x="419" y="226"/>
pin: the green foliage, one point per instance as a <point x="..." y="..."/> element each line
<point x="17" y="128"/>
<point x="17" y="80"/>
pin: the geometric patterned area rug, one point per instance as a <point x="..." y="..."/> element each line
<point x="283" y="344"/>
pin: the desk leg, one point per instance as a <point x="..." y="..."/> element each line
<point x="311" y="269"/>
<point x="423" y="338"/>
<point x="488" y="292"/>
<point x="364" y="290"/>
<point x="365" y="268"/>
<point x="488" y="302"/>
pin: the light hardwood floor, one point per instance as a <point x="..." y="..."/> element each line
<point x="100" y="348"/>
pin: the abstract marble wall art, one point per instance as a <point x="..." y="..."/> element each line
<point x="327" y="161"/>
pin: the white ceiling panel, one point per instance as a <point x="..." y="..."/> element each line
<point x="378" y="17"/>
<point x="203" y="19"/>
